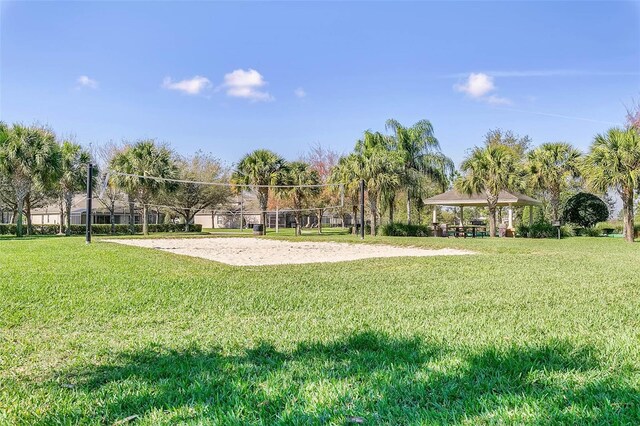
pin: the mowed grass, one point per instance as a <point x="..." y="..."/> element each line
<point x="524" y="332"/>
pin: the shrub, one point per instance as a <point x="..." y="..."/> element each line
<point x="592" y="232"/>
<point x="585" y="209"/>
<point x="543" y="229"/>
<point x="404" y="230"/>
<point x="616" y="226"/>
<point x="522" y="230"/>
<point x="100" y="229"/>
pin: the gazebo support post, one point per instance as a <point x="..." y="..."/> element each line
<point x="510" y="217"/>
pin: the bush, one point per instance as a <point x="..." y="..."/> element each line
<point x="100" y="229"/>
<point x="585" y="210"/>
<point x="404" y="230"/>
<point x="616" y="226"/>
<point x="522" y="230"/>
<point x="542" y="229"/>
<point x="592" y="232"/>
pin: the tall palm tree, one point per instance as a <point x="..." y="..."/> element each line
<point x="614" y="163"/>
<point x="380" y="168"/>
<point x="73" y="167"/>
<point x="259" y="169"/>
<point x="490" y="170"/>
<point x="421" y="155"/>
<point x="346" y="172"/>
<point x="143" y="161"/>
<point x="30" y="158"/>
<point x="551" y="168"/>
<point x="296" y="175"/>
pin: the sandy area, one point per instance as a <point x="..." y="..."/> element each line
<point x="255" y="251"/>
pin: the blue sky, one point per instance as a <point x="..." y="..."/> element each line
<point x="231" y="77"/>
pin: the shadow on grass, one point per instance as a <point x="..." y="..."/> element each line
<point x="366" y="377"/>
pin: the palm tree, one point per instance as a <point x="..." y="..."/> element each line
<point x="30" y="158"/>
<point x="73" y="166"/>
<point x="380" y="168"/>
<point x="138" y="165"/>
<point x="346" y="172"/>
<point x="551" y="167"/>
<point x="301" y="181"/>
<point x="259" y="169"/>
<point x="420" y="151"/>
<point x="489" y="170"/>
<point x="614" y="163"/>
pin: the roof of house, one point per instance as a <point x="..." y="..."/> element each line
<point x="455" y="198"/>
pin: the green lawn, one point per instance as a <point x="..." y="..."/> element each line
<point x="526" y="331"/>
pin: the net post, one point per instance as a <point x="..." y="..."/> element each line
<point x="89" y="199"/>
<point x="362" y="209"/>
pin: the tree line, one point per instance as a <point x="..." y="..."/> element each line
<point x="400" y="166"/>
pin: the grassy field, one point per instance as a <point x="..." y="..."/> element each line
<point x="526" y="331"/>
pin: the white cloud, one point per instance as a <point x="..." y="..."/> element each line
<point x="85" y="81"/>
<point x="477" y="85"/>
<point x="246" y="84"/>
<point x="300" y="93"/>
<point x="192" y="86"/>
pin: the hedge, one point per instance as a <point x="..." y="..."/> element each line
<point x="102" y="229"/>
<point x="543" y="229"/>
<point x="404" y="230"/>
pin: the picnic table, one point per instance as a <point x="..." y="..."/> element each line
<point x="464" y="231"/>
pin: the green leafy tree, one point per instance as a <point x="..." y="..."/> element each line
<point x="259" y="169"/>
<point x="299" y="185"/>
<point x="488" y="171"/>
<point x="551" y="168"/>
<point x="613" y="162"/>
<point x="138" y="165"/>
<point x="73" y="176"/>
<point x="585" y="209"/>
<point x="30" y="159"/>
<point x="518" y="144"/>
<point x="421" y="156"/>
<point x="191" y="198"/>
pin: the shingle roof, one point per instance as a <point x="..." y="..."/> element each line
<point x="454" y="198"/>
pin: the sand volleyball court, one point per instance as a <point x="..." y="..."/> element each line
<point x="256" y="251"/>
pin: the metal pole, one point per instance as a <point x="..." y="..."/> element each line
<point x="362" y="209"/>
<point x="89" y="198"/>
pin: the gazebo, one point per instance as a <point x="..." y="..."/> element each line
<point x="453" y="198"/>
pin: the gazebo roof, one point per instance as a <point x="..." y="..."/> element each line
<point x="454" y="198"/>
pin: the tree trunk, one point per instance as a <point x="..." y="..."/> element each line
<point x="145" y="219"/>
<point x="132" y="216"/>
<point x="392" y="201"/>
<point x="28" y="215"/>
<point x="298" y="223"/>
<point x="354" y="219"/>
<point x="408" y="208"/>
<point x="555" y="207"/>
<point x="187" y="219"/>
<point x="320" y="211"/>
<point x="492" y="221"/>
<point x="112" y="216"/>
<point x="61" y="227"/>
<point x="19" y="219"/>
<point x="374" y="213"/>
<point x="627" y="215"/>
<point x="68" y="200"/>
